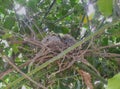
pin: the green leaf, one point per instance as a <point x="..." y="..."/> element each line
<point x="114" y="83"/>
<point x="105" y="7"/>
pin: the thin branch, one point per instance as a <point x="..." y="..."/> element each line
<point x="108" y="54"/>
<point x="85" y="61"/>
<point x="32" y="30"/>
<point x="82" y="66"/>
<point x="38" y="55"/>
<point x="25" y="76"/>
<point x="16" y="16"/>
<point x="49" y="9"/>
<point x="37" y="29"/>
<point x="104" y="47"/>
<point x="69" y="13"/>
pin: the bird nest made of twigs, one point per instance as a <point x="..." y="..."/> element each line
<point x="54" y="44"/>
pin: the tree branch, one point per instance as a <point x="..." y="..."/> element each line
<point x="24" y="75"/>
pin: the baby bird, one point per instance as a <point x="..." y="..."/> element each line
<point x="68" y="40"/>
<point x="56" y="42"/>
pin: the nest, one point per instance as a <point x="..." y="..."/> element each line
<point x="52" y="45"/>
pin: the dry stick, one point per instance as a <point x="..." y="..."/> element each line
<point x="85" y="61"/>
<point x="33" y="42"/>
<point x="104" y="47"/>
<point x="82" y="66"/>
<point x="24" y="64"/>
<point x="32" y="30"/>
<point x="15" y="67"/>
<point x="108" y="54"/>
<point x="60" y="70"/>
<point x="101" y="30"/>
<point x="96" y="51"/>
<point x="37" y="29"/>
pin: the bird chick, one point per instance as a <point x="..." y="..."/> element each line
<point x="49" y="39"/>
<point x="68" y="40"/>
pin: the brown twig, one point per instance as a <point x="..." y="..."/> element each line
<point x="37" y="58"/>
<point x="103" y="47"/>
<point x="16" y="68"/>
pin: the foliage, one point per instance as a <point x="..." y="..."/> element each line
<point x="113" y="83"/>
<point x="59" y="44"/>
<point x="105" y="7"/>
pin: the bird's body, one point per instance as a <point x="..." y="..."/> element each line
<point x="58" y="43"/>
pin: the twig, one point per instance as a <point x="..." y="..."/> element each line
<point x="49" y="9"/>
<point x="82" y="66"/>
<point x="62" y="69"/>
<point x="32" y="31"/>
<point x="104" y="47"/>
<point x="108" y="54"/>
<point x="85" y="61"/>
<point x="33" y="42"/>
<point x="37" y="58"/>
<point x="16" y="16"/>
<point x="15" y="67"/>
<point x="69" y="13"/>
<point x="37" y="29"/>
